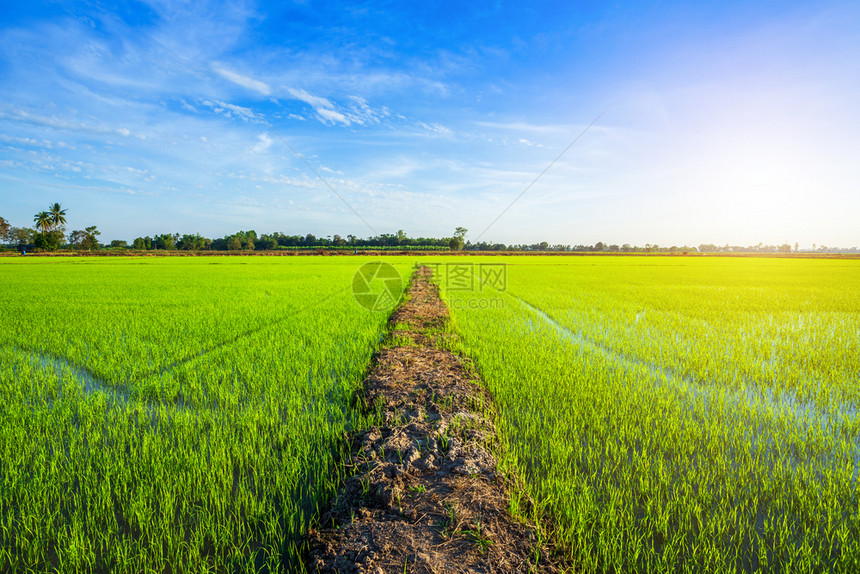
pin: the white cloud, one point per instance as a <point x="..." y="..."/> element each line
<point x="315" y="102"/>
<point x="231" y="110"/>
<point x="529" y="143"/>
<point x="187" y="106"/>
<point x="30" y="142"/>
<point x="325" y="109"/>
<point x="362" y="113"/>
<point x="525" y="127"/>
<point x="332" y="116"/>
<point x="24" y="116"/>
<point x="436" y="128"/>
<point x="264" y="142"/>
<point x="241" y="80"/>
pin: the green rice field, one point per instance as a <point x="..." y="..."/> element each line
<point x="173" y="414"/>
<point x="678" y="414"/>
<point x="662" y="414"/>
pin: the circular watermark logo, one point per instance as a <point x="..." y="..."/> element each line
<point x="377" y="286"/>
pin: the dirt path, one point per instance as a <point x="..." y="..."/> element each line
<point x="426" y="496"/>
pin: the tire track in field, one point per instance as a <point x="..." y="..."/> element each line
<point x="763" y="435"/>
<point x="48" y="360"/>
<point x="806" y="415"/>
<point x="160" y="371"/>
<point x="805" y="412"/>
<point x="122" y="393"/>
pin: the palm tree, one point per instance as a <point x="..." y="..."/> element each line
<point x="43" y="220"/>
<point x="58" y="215"/>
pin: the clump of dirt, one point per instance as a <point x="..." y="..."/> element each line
<point x="426" y="496"/>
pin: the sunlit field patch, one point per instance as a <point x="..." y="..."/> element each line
<point x="680" y="414"/>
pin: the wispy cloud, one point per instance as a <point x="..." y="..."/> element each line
<point x="435" y="128"/>
<point x="65" y="124"/>
<point x="326" y="111"/>
<point x="241" y="80"/>
<point x="333" y="116"/>
<point x="264" y="142"/>
<point x="231" y="111"/>
<point x="30" y="142"/>
<point x="315" y="102"/>
<point x="554" y="128"/>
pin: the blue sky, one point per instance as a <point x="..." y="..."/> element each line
<point x="722" y="122"/>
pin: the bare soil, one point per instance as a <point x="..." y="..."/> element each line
<point x="426" y="496"/>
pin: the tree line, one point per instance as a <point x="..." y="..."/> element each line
<point x="49" y="234"/>
<point x="251" y="241"/>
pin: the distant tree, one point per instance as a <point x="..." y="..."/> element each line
<point x="92" y="233"/>
<point x="234" y="244"/>
<point x="268" y="242"/>
<point x="4" y="230"/>
<point x="456" y="243"/>
<point x="166" y="241"/>
<point x="20" y="235"/>
<point x="43" y="221"/>
<point x="76" y="238"/>
<point x="58" y="215"/>
<point x="119" y="244"/>
<point x="48" y="240"/>
<point x="139" y="243"/>
<point x="86" y="239"/>
<point x="599" y="246"/>
<point x="193" y="242"/>
<point x="52" y="234"/>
